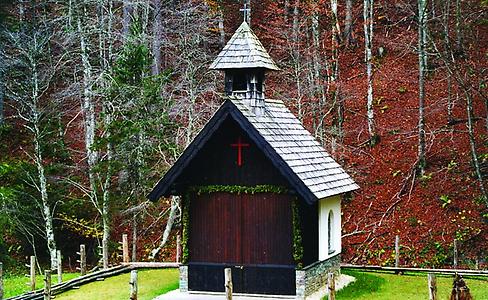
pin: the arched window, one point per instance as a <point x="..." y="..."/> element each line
<point x="330" y="232"/>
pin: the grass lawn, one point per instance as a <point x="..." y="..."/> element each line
<point x="16" y="285"/>
<point x="151" y="283"/>
<point x="383" y="286"/>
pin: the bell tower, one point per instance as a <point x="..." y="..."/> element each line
<point x="245" y="63"/>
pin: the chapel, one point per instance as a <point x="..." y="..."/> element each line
<point x="259" y="193"/>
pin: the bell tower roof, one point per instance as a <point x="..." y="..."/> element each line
<point x="244" y="50"/>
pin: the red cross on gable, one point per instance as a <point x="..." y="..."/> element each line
<point x="239" y="146"/>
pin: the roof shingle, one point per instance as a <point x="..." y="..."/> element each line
<point x="298" y="149"/>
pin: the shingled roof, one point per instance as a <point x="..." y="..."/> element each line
<point x="310" y="170"/>
<point x="244" y="50"/>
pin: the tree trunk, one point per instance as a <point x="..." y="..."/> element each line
<point x="88" y="107"/>
<point x="175" y="206"/>
<point x="157" y="35"/>
<point x="221" y="26"/>
<point x="336" y="29"/>
<point x="459" y="35"/>
<point x="448" y="57"/>
<point x="317" y="83"/>
<point x="422" y="7"/>
<point x="127" y="12"/>
<point x="368" y="40"/>
<point x="348" y="23"/>
<point x="134" y="237"/>
<point x="286" y="13"/>
<point x="106" y="209"/>
<point x="46" y="209"/>
<point x="38" y="159"/>
<point x="472" y="143"/>
<point x="295" y="53"/>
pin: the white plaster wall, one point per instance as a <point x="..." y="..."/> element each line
<point x="325" y="206"/>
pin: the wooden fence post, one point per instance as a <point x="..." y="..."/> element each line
<point x="228" y="283"/>
<point x="178" y="246"/>
<point x="133" y="285"/>
<point x="47" y="285"/>
<point x="32" y="274"/>
<point x="125" y="248"/>
<point x="331" y="285"/>
<point x="397" y="251"/>
<point x="455" y="258"/>
<point x="82" y="260"/>
<point x="432" y="282"/>
<point x="60" y="267"/>
<point x="1" y="281"/>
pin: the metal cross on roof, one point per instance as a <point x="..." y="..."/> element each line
<point x="247" y="13"/>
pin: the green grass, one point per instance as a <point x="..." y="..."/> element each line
<point x="15" y="285"/>
<point x="383" y="286"/>
<point x="151" y="283"/>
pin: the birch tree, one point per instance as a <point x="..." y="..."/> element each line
<point x="422" y="42"/>
<point x="368" y="12"/>
<point x="348" y="25"/>
<point x="157" y="36"/>
<point x="95" y="37"/>
<point x="30" y="72"/>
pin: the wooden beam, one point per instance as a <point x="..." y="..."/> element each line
<point x="432" y="283"/>
<point x="397" y="251"/>
<point x="82" y="260"/>
<point x="133" y="285"/>
<point x="32" y="274"/>
<point x="60" y="266"/>
<point x="125" y="248"/>
<point x="455" y="254"/>
<point x="331" y="285"/>
<point x="422" y="270"/>
<point x="228" y="283"/>
<point x="47" y="285"/>
<point x="138" y="265"/>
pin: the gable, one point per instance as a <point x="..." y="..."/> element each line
<point x="217" y="163"/>
<point x="279" y="135"/>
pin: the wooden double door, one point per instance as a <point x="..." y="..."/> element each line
<point x="252" y="233"/>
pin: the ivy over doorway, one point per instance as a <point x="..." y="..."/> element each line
<point x="239" y="189"/>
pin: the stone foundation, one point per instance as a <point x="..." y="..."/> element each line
<point x="313" y="277"/>
<point x="183" y="279"/>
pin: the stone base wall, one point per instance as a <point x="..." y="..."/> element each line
<point x="313" y="277"/>
<point x="183" y="279"/>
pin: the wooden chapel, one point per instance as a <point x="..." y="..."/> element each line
<point x="259" y="193"/>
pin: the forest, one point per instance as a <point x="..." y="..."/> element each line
<point x="99" y="98"/>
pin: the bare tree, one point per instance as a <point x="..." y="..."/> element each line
<point x="30" y="72"/>
<point x="157" y="36"/>
<point x="422" y="42"/>
<point x="368" y="12"/>
<point x="348" y="24"/>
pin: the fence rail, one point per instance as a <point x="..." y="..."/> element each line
<point x="98" y="275"/>
<point x="463" y="272"/>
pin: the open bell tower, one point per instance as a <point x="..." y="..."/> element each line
<point x="245" y="62"/>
